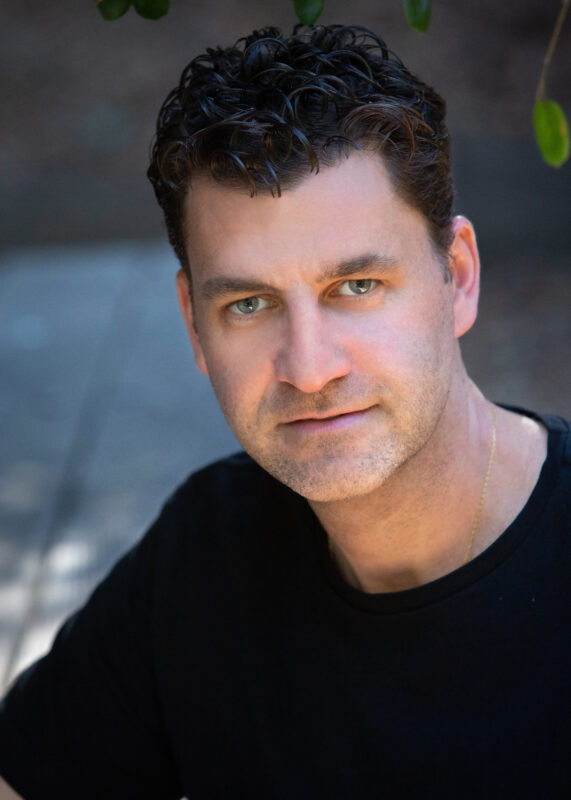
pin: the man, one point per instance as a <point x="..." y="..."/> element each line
<point x="374" y="601"/>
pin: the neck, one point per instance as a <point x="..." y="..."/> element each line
<point x="417" y="526"/>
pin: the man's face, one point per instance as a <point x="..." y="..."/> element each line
<point x="325" y="324"/>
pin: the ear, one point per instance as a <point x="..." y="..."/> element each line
<point x="465" y="271"/>
<point x="183" y="291"/>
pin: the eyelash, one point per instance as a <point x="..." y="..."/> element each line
<point x="359" y="280"/>
<point x="244" y="300"/>
<point x="231" y="308"/>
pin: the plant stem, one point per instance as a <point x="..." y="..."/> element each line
<point x="540" y="92"/>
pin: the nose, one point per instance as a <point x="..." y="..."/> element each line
<point x="311" y="353"/>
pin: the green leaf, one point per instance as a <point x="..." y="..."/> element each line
<point x="417" y="14"/>
<point x="551" y="132"/>
<point x="112" y="9"/>
<point x="151" y="9"/>
<point x="308" y="11"/>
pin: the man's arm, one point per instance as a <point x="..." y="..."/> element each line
<point x="6" y="793"/>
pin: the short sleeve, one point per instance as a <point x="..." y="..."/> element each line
<point x="85" y="721"/>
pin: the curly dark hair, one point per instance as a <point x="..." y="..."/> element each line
<point x="266" y="112"/>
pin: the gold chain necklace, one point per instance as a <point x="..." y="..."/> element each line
<point x="484" y="487"/>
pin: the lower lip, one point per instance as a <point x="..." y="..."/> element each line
<point x="328" y="425"/>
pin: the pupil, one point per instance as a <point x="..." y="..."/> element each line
<point x="248" y="305"/>
<point x="360" y="286"/>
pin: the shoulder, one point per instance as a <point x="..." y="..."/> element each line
<point x="554" y="482"/>
<point x="560" y="429"/>
<point x="531" y="469"/>
<point x="559" y="455"/>
<point x="558" y="434"/>
<point x="216" y="493"/>
<point x="226" y="507"/>
<point x="551" y="433"/>
<point x="233" y="474"/>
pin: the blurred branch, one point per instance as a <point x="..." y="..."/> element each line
<point x="540" y="93"/>
<point x="549" y="121"/>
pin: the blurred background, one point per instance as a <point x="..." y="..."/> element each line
<point x="102" y="412"/>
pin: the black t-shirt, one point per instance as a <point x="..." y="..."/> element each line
<point x="224" y="657"/>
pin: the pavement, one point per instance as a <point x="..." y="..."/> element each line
<point x="103" y="413"/>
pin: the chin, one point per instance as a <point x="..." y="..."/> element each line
<point x="333" y="480"/>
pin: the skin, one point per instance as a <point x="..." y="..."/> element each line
<point x="7" y="793"/>
<point x="330" y="334"/>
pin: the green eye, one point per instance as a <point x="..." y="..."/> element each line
<point x="358" y="286"/>
<point x="249" y="305"/>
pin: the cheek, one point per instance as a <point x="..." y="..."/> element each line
<point x="404" y="342"/>
<point x="383" y="339"/>
<point x="239" y="372"/>
<point x="432" y="340"/>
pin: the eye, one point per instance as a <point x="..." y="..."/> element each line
<point x="357" y="286"/>
<point x="249" y="305"/>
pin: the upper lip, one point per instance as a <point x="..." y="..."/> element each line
<point x="328" y="415"/>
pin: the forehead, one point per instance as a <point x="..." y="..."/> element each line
<point x="335" y="215"/>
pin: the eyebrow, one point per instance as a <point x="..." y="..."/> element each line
<point x="215" y="288"/>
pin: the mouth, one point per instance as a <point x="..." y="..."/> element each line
<point x="330" y="415"/>
<point x="322" y="423"/>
